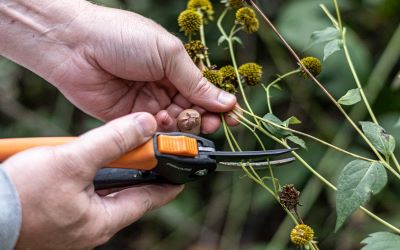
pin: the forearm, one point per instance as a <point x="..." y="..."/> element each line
<point x="38" y="34"/>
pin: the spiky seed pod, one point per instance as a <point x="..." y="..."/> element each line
<point x="289" y="197"/>
<point x="213" y="76"/>
<point x="196" y="50"/>
<point x="251" y="73"/>
<point x="229" y="75"/>
<point x="301" y="234"/>
<point x="313" y="65"/>
<point x="190" y="21"/>
<point x="246" y="17"/>
<point x="204" y="6"/>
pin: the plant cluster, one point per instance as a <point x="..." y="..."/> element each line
<point x="359" y="179"/>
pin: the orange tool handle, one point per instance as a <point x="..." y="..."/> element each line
<point x="141" y="158"/>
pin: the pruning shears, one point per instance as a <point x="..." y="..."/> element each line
<point x="175" y="158"/>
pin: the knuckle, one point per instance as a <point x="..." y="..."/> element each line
<point x="119" y="140"/>
<point x="174" y="45"/>
<point x="202" y="88"/>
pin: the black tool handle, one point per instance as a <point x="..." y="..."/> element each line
<point x="116" y="178"/>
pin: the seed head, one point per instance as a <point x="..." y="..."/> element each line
<point x="251" y="73"/>
<point x="246" y="17"/>
<point x="229" y="75"/>
<point x="289" y="197"/>
<point x="312" y="64"/>
<point x="213" y="76"/>
<point x="196" y="50"/>
<point x="302" y="234"/>
<point x="204" y="6"/>
<point x="190" y="21"/>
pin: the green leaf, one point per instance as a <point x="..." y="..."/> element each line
<point x="279" y="132"/>
<point x="221" y="40"/>
<point x="297" y="141"/>
<point x="331" y="47"/>
<point x="351" y="97"/>
<point x="293" y="120"/>
<point x="357" y="182"/>
<point x="322" y="36"/>
<point x="381" y="240"/>
<point x="397" y="123"/>
<point x="382" y="141"/>
<point x="238" y="40"/>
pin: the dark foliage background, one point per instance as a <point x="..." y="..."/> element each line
<point x="227" y="211"/>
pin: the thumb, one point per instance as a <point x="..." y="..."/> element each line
<point x="188" y="79"/>
<point x="100" y="146"/>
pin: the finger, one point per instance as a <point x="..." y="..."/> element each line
<point x="129" y="205"/>
<point x="210" y="123"/>
<point x="231" y="119"/>
<point x="165" y="122"/>
<point x="101" y="146"/>
<point x="174" y="110"/>
<point x="188" y="79"/>
<point x="181" y="101"/>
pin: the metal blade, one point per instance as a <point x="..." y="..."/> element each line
<point x="235" y="166"/>
<point x="235" y="156"/>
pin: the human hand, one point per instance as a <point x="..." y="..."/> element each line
<point x="60" y="209"/>
<point x="120" y="62"/>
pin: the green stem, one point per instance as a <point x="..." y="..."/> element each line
<point x="338" y="15"/>
<point x="320" y="177"/>
<point x="306" y="135"/>
<point x="267" y="89"/>
<point x="319" y="84"/>
<point x="233" y="58"/>
<point x="203" y="40"/>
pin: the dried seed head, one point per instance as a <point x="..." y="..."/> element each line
<point x="196" y="50"/>
<point x="246" y="17"/>
<point x="289" y="197"/>
<point x="190" y="21"/>
<point x="251" y="73"/>
<point x="204" y="6"/>
<point x="302" y="234"/>
<point x="189" y="121"/>
<point x="229" y="75"/>
<point x="312" y="64"/>
<point x="213" y="76"/>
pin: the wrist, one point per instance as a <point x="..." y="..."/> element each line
<point x="39" y="34"/>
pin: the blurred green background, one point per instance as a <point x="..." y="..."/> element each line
<point x="228" y="211"/>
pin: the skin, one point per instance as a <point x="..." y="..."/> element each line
<point x="110" y="63"/>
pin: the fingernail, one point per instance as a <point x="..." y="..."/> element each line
<point x="225" y="98"/>
<point x="146" y="124"/>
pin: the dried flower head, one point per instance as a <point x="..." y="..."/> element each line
<point x="246" y="17"/>
<point x="196" y="50"/>
<point x="289" y="197"/>
<point x="312" y="64"/>
<point x="234" y="4"/>
<point x="251" y="73"/>
<point x="229" y="75"/>
<point x="302" y="234"/>
<point x="213" y="76"/>
<point x="190" y="21"/>
<point x="204" y="6"/>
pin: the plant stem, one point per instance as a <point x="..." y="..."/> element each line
<point x="339" y="107"/>
<point x="320" y="177"/>
<point x="267" y="89"/>
<point x="338" y="14"/>
<point x="233" y="58"/>
<point x="203" y="40"/>
<point x="306" y="135"/>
